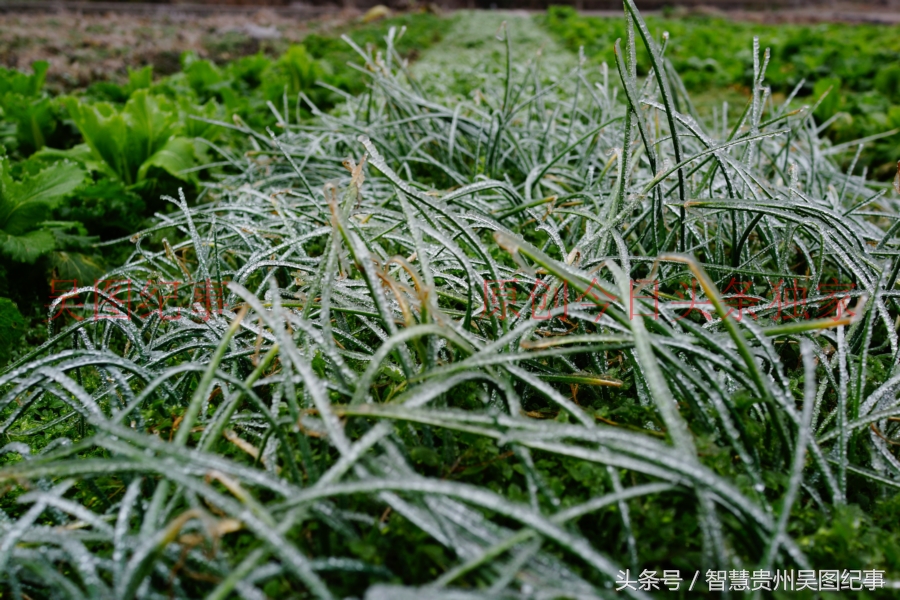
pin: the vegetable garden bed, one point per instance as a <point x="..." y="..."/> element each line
<point x="525" y="328"/>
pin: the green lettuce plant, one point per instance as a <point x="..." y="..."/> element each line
<point x="126" y="143"/>
<point x="108" y="91"/>
<point x="30" y="224"/>
<point x="294" y="72"/>
<point x="27" y="234"/>
<point x="26" y="209"/>
<point x="27" y="109"/>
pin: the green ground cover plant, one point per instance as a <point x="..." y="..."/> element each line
<point x="860" y="64"/>
<point x="447" y="341"/>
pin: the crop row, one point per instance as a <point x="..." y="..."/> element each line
<point x="859" y="64"/>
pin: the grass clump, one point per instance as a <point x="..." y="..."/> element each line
<point x="414" y="349"/>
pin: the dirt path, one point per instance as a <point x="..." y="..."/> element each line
<point x="472" y="42"/>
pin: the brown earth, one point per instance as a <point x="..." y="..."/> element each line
<point x="86" y="47"/>
<point x="83" y="48"/>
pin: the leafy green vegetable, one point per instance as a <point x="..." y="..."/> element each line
<point x="416" y="32"/>
<point x="106" y="208"/>
<point x="125" y="143"/>
<point x="107" y="91"/>
<point x="294" y="72"/>
<point x="81" y="267"/>
<point x="32" y="113"/>
<point x="16" y="82"/>
<point x="26" y="206"/>
<point x="35" y="120"/>
<point x="244" y="86"/>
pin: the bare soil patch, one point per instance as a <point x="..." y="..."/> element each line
<point x="84" y="48"/>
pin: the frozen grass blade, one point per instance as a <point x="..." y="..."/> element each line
<point x="474" y="343"/>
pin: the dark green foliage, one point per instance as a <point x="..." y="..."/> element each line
<point x="861" y="62"/>
<point x="106" y="207"/>
<point x="26" y="208"/>
<point x="25" y="106"/>
<point x="12" y="328"/>
<point x="420" y="32"/>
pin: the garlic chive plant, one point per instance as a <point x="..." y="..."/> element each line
<point x="507" y="349"/>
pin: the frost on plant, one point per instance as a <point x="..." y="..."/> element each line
<point x="291" y="384"/>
